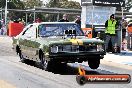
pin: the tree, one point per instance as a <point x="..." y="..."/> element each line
<point x="53" y="3"/>
<point x="12" y="4"/>
<point x="29" y="4"/>
<point x="32" y="3"/>
<point x="70" y="5"/>
<point x="2" y="3"/>
<point x="62" y="4"/>
<point x="128" y="5"/>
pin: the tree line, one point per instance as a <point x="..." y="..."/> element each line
<point x="29" y="4"/>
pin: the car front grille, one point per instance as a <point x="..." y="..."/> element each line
<point x="77" y="48"/>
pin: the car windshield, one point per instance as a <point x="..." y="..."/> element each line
<point x="58" y="29"/>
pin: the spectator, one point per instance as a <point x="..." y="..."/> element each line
<point x="2" y="27"/>
<point x="124" y="25"/>
<point x="78" y="20"/>
<point x="64" y="19"/>
<point x="38" y="20"/>
<point x="110" y="31"/>
<point x="0" y="24"/>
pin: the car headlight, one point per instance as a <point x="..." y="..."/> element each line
<point x="100" y="48"/>
<point x="54" y="49"/>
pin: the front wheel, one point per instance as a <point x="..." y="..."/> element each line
<point x="93" y="63"/>
<point x="45" y="64"/>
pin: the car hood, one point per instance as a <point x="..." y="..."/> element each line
<point x="79" y="40"/>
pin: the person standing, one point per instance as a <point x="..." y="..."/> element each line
<point x="64" y="19"/>
<point x="0" y="27"/>
<point x="38" y="20"/>
<point x="78" y="20"/>
<point x="124" y="25"/>
<point x="110" y="31"/>
<point x="3" y="27"/>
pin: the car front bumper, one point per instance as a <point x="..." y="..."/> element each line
<point x="83" y="56"/>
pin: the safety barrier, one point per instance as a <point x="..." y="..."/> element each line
<point x="15" y="28"/>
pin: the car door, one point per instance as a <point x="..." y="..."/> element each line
<point x="28" y="43"/>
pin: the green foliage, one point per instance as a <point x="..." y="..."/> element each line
<point x="2" y="3"/>
<point x="32" y="3"/>
<point x="72" y="4"/>
<point x="12" y="4"/>
<point x="62" y="4"/>
<point x="54" y="3"/>
<point x="26" y="4"/>
<point x="128" y="5"/>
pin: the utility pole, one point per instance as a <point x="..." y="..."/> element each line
<point x="5" y="12"/>
<point x="121" y="27"/>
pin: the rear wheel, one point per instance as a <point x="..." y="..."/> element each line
<point x="93" y="63"/>
<point x="22" y="59"/>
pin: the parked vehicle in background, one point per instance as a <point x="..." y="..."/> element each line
<point x="51" y="43"/>
<point x="129" y="28"/>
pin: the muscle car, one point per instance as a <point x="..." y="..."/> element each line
<point x="50" y="43"/>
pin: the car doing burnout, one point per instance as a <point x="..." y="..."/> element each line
<point x="51" y="43"/>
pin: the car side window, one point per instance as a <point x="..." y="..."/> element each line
<point x="26" y="28"/>
<point x="42" y="29"/>
<point x="30" y="32"/>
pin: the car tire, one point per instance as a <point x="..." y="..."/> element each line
<point x="45" y="64"/>
<point x="22" y="59"/>
<point x="93" y="63"/>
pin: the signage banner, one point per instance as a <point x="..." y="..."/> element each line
<point x="113" y="3"/>
<point x="97" y="15"/>
<point x="86" y="2"/>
